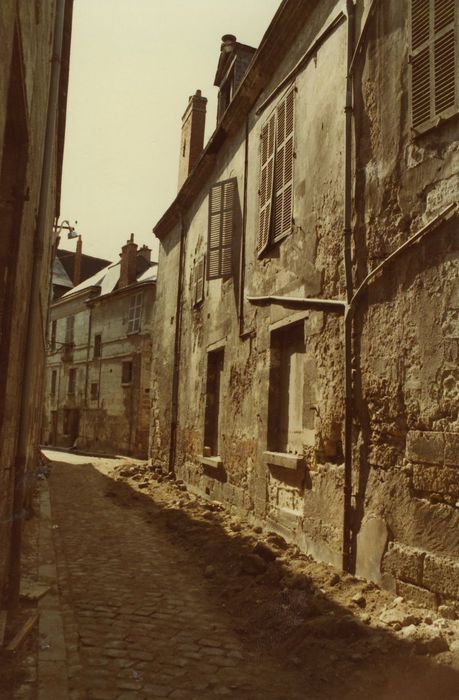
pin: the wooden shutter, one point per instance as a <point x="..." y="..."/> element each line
<point x="266" y="182"/>
<point x="199" y="281"/>
<point x="220" y="237"/>
<point x="283" y="167"/>
<point x="433" y="61"/>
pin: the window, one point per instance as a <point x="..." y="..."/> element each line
<point x="276" y="174"/>
<point x="198" y="281"/>
<point x="66" y="422"/>
<point x="126" y="372"/>
<point x="434" y="79"/>
<point x="72" y="381"/>
<point x="69" y="330"/>
<point x="53" y="335"/>
<point x="220" y="235"/>
<point x="225" y="94"/>
<point x="287" y="417"/>
<point x="94" y="391"/>
<point x="135" y="313"/>
<point x="97" y="345"/>
<point x="53" y="382"/>
<point x="213" y="402"/>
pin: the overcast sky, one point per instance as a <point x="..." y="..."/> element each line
<point x="134" y="64"/>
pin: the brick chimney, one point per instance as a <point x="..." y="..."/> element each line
<point x="128" y="267"/>
<point x="193" y="126"/>
<point x="77" y="262"/>
<point x="145" y="252"/>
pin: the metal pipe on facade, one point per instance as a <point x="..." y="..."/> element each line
<point x="29" y="376"/>
<point x="347" y="244"/>
<point x="177" y="344"/>
<point x="244" y="226"/>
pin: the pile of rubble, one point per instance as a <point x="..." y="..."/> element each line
<point x="283" y="600"/>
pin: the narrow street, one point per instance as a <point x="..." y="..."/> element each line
<point x="146" y="625"/>
<point x="146" y="615"/>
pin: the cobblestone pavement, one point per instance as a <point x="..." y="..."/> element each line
<point x="139" y="621"/>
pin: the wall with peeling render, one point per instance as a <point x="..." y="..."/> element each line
<point x="405" y="337"/>
<point x="406" y="332"/>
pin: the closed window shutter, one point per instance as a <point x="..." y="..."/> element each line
<point x="433" y="61"/>
<point x="199" y="281"/>
<point x="283" y="169"/>
<point x="221" y="221"/>
<point x="266" y="182"/>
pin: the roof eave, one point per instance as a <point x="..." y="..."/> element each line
<point x="245" y="97"/>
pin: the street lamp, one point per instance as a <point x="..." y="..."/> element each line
<point x="65" y="224"/>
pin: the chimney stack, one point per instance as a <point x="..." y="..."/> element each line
<point x="193" y="126"/>
<point x="145" y="252"/>
<point x="128" y="263"/>
<point x="77" y="262"/>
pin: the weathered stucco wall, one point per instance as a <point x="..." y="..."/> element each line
<point x="27" y="31"/>
<point x="406" y="331"/>
<point x="405" y="336"/>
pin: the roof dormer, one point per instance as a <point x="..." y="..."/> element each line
<point x="232" y="66"/>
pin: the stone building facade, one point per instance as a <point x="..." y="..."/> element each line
<point x="34" y="61"/>
<point x="313" y="382"/>
<point x="99" y="362"/>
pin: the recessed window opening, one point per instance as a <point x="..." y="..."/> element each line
<point x="97" y="345"/>
<point x="53" y="382"/>
<point x="126" y="372"/>
<point x="72" y="381"/>
<point x="286" y="390"/>
<point x="215" y="362"/>
<point x="53" y="335"/>
<point x="135" y="313"/>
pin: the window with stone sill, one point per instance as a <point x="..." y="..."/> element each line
<point x="287" y="402"/>
<point x="215" y="363"/>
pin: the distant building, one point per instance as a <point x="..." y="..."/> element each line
<point x="72" y="267"/>
<point x="34" y="68"/>
<point x="98" y="369"/>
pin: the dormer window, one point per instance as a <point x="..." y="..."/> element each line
<point x="232" y="66"/>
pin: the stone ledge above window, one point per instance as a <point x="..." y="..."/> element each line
<point x="215" y="462"/>
<point x="283" y="459"/>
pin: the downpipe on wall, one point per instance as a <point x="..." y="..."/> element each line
<point x="177" y="344"/>
<point x="29" y="376"/>
<point x="347" y="244"/>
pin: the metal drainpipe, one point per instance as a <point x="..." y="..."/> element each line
<point x="347" y="236"/>
<point x="177" y="343"/>
<point x="244" y="226"/>
<point x="27" y="393"/>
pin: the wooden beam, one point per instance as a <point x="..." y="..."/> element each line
<point x="25" y="630"/>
